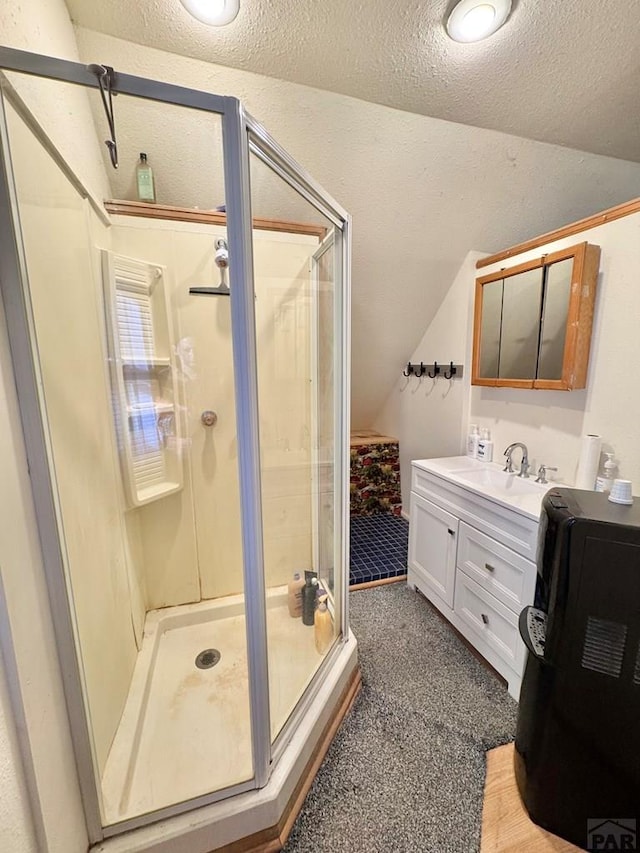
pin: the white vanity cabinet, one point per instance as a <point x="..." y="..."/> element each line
<point x="473" y="556"/>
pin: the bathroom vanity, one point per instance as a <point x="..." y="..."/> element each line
<point x="472" y="551"/>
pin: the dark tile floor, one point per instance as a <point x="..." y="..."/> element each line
<point x="378" y="548"/>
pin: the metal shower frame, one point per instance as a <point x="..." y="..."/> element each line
<point x="242" y="136"/>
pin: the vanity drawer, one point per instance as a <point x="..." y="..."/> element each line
<point x="505" y="574"/>
<point x="490" y="620"/>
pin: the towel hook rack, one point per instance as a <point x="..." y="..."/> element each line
<point x="433" y="370"/>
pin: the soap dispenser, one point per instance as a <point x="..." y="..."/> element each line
<point x="605" y="478"/>
<point x="485" y="446"/>
<point x="472" y="441"/>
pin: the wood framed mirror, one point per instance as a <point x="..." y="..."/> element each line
<point x="532" y="322"/>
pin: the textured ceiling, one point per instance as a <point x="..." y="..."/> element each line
<point x="562" y="72"/>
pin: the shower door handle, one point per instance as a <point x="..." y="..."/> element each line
<point x="208" y="418"/>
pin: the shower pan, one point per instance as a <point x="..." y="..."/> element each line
<point x="188" y="454"/>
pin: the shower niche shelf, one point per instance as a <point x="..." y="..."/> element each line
<point x="143" y="378"/>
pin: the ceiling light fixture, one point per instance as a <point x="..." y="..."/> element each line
<point x="216" y="13"/>
<point x="473" y="20"/>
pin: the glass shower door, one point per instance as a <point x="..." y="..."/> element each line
<point x="297" y="290"/>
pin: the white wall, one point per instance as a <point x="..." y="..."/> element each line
<point x="550" y="423"/>
<point x="422" y="191"/>
<point x="428" y="414"/>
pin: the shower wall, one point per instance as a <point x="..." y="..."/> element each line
<point x="191" y="540"/>
<point x="59" y="229"/>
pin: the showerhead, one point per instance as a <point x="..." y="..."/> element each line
<point x="222" y="254"/>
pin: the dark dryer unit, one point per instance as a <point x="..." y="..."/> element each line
<point x="577" y="757"/>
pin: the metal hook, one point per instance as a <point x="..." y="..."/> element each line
<point x="106" y="82"/>
<point x="452" y="372"/>
<point x="420" y="371"/>
<point x="408" y="368"/>
<point x="436" y="371"/>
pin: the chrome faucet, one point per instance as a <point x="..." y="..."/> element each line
<point x="524" y="464"/>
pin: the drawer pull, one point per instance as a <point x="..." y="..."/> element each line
<point x="489" y="567"/>
<point x="485" y="618"/>
<point x="451" y="532"/>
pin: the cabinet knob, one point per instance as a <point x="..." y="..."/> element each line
<point x="489" y="567"/>
<point x="451" y="532"/>
<point x="485" y="618"/>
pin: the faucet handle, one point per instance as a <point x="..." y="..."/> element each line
<point x="509" y="466"/>
<point x="542" y="472"/>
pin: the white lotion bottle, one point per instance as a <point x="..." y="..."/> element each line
<point x="472" y="442"/>
<point x="485" y="446"/>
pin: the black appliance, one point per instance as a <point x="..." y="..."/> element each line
<point x="577" y="750"/>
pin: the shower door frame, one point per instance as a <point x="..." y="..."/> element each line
<point x="241" y="134"/>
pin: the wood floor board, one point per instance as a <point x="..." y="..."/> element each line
<point x="506" y="826"/>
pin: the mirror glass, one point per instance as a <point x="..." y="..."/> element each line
<point x="490" y="334"/>
<point x="554" y="319"/>
<point x="521" y="301"/>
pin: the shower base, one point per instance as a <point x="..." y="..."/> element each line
<point x="185" y="731"/>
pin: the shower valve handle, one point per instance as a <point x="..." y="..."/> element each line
<point x="208" y="418"/>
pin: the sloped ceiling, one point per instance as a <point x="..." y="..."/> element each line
<point x="422" y="192"/>
<point x="563" y="72"/>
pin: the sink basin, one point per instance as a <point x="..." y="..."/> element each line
<point x="523" y="495"/>
<point x="502" y="482"/>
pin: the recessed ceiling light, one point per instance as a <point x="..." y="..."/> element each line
<point x="473" y="20"/>
<point x="217" y="13"/>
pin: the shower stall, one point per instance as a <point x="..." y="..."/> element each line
<point x="182" y="373"/>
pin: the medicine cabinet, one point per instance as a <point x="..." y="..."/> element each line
<point x="532" y="322"/>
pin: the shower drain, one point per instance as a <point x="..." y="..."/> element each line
<point x="207" y="658"/>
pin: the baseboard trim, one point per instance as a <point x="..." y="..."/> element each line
<point x="273" y="839"/>
<point x="383" y="582"/>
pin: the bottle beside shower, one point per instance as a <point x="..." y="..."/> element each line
<point x="294" y="596"/>
<point x="323" y="626"/>
<point x="145" y="182"/>
<point x="309" y="594"/>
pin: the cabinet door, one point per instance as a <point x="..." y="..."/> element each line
<point x="432" y="546"/>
